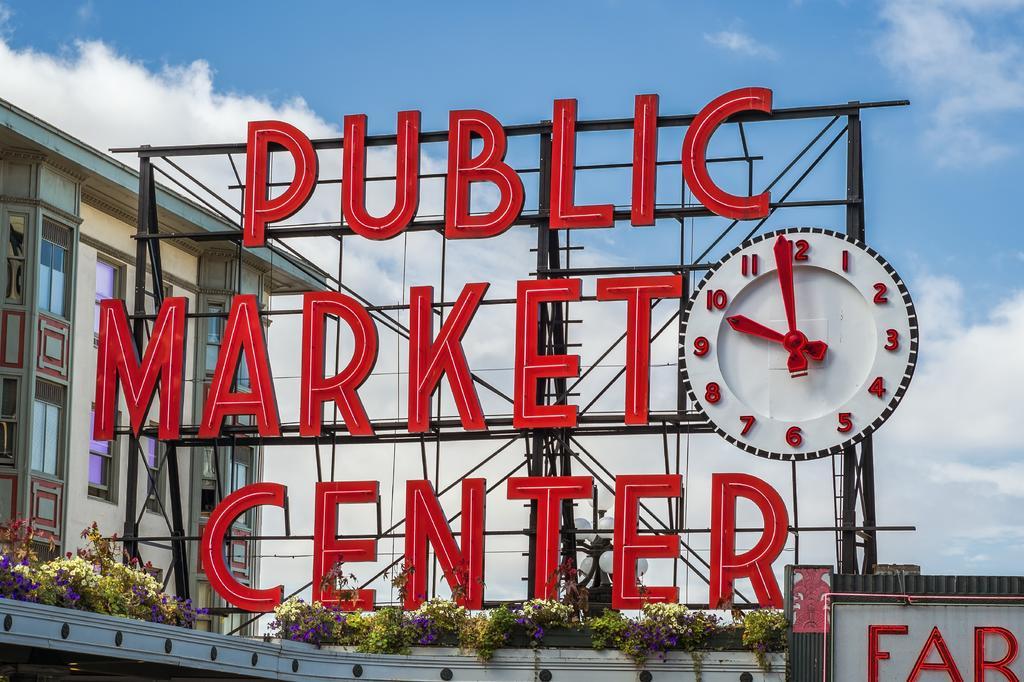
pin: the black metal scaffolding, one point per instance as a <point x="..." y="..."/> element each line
<point x="547" y="451"/>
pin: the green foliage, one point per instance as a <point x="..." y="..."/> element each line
<point x="389" y="632"/>
<point x="607" y="629"/>
<point x="763" y="631"/>
<point x="485" y="633"/>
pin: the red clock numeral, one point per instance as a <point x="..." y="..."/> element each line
<point x="893" y="338"/>
<point x="846" y="261"/>
<point x="794" y="436"/>
<point x="712" y="393"/>
<point x="701" y="346"/>
<point x="845" y="422"/>
<point x="717" y="298"/>
<point x="877" y="387"/>
<point x="802" y="247"/>
<point x="880" y="291"/>
<point x="748" y="422"/>
<point x="749" y="265"/>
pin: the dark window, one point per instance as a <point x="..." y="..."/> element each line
<point x="16" y="260"/>
<point x="153" y="451"/>
<point x="8" y="421"/>
<point x="208" y="494"/>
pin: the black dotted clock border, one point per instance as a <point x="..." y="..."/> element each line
<point x="893" y="401"/>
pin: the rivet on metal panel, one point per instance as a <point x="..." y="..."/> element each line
<point x="446" y="674"/>
<point x="646" y="676"/>
<point x="213" y="653"/>
<point x="545" y="676"/>
<point x="746" y="677"/>
<point x="118" y="638"/>
<point x="65" y="630"/>
<point x="8" y="622"/>
<point x="357" y="670"/>
<point x="168" y="645"/>
<point x="255" y="658"/>
<point x="295" y="665"/>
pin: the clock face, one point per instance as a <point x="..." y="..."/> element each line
<point x="799" y="343"/>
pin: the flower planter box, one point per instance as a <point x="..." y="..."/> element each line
<point x="727" y="640"/>
<point x="568" y="638"/>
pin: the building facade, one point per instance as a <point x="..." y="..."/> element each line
<point x="68" y="214"/>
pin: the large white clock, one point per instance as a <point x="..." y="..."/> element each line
<point x="799" y="343"/>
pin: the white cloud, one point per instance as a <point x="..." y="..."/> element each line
<point x="740" y="43"/>
<point x="960" y="66"/>
<point x="970" y="378"/>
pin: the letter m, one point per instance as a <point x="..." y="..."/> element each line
<point x="118" y="359"/>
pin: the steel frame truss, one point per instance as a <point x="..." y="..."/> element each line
<point x="547" y="451"/>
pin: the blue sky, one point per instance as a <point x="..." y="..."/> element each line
<point x="514" y="59"/>
<point x="941" y="175"/>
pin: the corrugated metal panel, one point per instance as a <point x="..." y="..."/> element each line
<point x="963" y="585"/>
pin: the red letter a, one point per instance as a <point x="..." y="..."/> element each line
<point x="243" y="335"/>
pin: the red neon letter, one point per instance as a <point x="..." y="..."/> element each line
<point x="315" y="389"/>
<point x="429" y="360"/>
<point x="407" y="183"/>
<point x="875" y="654"/>
<point x="755" y="563"/>
<point x="163" y="359"/>
<point x="564" y="211"/>
<point x="260" y="209"/>
<point x="243" y="334"/>
<point x="695" y="145"/>
<point x="212" y="551"/>
<point x="549" y="492"/>
<point x="329" y="551"/>
<point x="530" y="365"/>
<point x="638" y="292"/>
<point x="645" y="159"/>
<point x="947" y="664"/>
<point x="981" y="662"/>
<point x="465" y="169"/>
<point x="425" y="523"/>
<point x="630" y="545"/>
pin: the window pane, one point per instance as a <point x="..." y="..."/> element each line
<point x="106" y="287"/>
<point x="106" y="280"/>
<point x="52" y="438"/>
<point x="243" y="373"/>
<point x="45" y="256"/>
<point x="150" y="445"/>
<point x="98" y="446"/>
<point x="57" y="287"/>
<point x="98" y="470"/>
<point x="16" y="259"/>
<point x="38" y="433"/>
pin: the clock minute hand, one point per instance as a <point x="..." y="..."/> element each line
<point x="784" y="264"/>
<point x="745" y="325"/>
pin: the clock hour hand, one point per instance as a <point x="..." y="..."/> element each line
<point x="745" y="325"/>
<point x="795" y="342"/>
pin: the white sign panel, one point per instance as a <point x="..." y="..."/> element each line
<point x="927" y="641"/>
